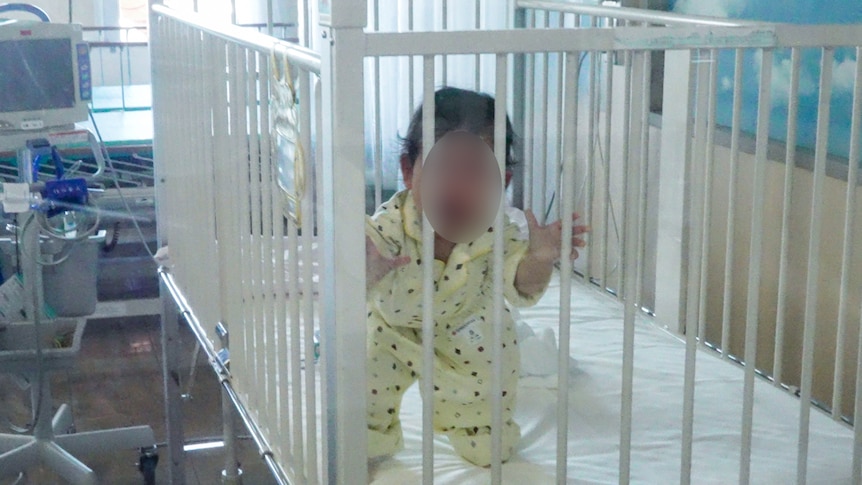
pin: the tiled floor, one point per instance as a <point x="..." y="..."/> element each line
<point x="118" y="382"/>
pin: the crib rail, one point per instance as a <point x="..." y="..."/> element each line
<point x="629" y="15"/>
<point x="234" y="118"/>
<point x="761" y="265"/>
<point x="601" y="112"/>
<point x="701" y="217"/>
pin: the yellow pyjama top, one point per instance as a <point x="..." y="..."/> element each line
<point x="463" y="320"/>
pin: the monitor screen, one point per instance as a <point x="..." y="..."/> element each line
<point x="36" y="74"/>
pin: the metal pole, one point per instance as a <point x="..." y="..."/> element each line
<point x="169" y="322"/>
<point x="754" y="263"/>
<point x="232" y="474"/>
<point x="427" y="383"/>
<point x="812" y="280"/>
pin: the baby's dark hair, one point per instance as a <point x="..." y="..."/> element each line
<point x="457" y="109"/>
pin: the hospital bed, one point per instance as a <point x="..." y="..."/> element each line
<point x="700" y="335"/>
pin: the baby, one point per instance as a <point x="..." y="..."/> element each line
<point x="463" y="292"/>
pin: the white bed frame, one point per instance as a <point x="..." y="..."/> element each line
<point x="217" y="195"/>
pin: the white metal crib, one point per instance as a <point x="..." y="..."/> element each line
<point x="695" y="222"/>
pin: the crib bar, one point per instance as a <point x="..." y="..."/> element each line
<point x="536" y="146"/>
<point x="174" y="172"/>
<point x="625" y="150"/>
<point x="592" y="106"/>
<point x="165" y="130"/>
<point x="281" y="366"/>
<point x="500" y="100"/>
<point x="292" y="343"/>
<point x="378" y="130"/>
<point x="643" y="199"/>
<point x="190" y="204"/>
<point x="239" y="151"/>
<point x="633" y="198"/>
<point x="847" y="246"/>
<point x="410" y="19"/>
<point x="639" y="126"/>
<point x="529" y="120"/>
<point x="308" y="287"/>
<point x="428" y="139"/>
<point x="318" y="186"/>
<point x="256" y="283"/>
<point x="283" y="287"/>
<point x="604" y="247"/>
<point x="210" y="253"/>
<point x="244" y="194"/>
<point x="444" y="26"/>
<point x="208" y="207"/>
<point x="180" y="149"/>
<point x="692" y="178"/>
<point x="256" y="371"/>
<point x="813" y="273"/>
<point x="187" y="118"/>
<point x="232" y="150"/>
<point x="857" y="409"/>
<point x="233" y="244"/>
<point x="245" y="239"/>
<point x="567" y="198"/>
<point x="477" y="83"/>
<point x="171" y="145"/>
<point x="735" y="128"/>
<point x="201" y="145"/>
<point x="542" y="112"/>
<point x="519" y="118"/>
<point x="274" y="298"/>
<point x="218" y="141"/>
<point x="272" y="252"/>
<point x="245" y="366"/>
<point x="528" y="130"/>
<point x="709" y="162"/>
<point x="269" y="186"/>
<point x="200" y="205"/>
<point x="784" y="258"/>
<point x="295" y="352"/>
<point x="764" y="106"/>
<point x="411" y="83"/>
<point x="546" y="211"/>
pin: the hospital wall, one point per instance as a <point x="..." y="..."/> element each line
<point x="669" y="238"/>
<point x="830" y="253"/>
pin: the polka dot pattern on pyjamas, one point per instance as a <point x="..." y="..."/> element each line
<point x="463" y="320"/>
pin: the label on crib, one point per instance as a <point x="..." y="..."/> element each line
<point x="469" y="330"/>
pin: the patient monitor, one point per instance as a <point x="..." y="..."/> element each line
<point x="45" y="79"/>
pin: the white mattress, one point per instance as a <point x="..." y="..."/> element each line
<point x="594" y="415"/>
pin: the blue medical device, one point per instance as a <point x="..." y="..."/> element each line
<point x="60" y="194"/>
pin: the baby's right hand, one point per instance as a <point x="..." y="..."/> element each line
<point x="377" y="266"/>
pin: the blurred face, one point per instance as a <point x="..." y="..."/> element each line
<point x="458" y="187"/>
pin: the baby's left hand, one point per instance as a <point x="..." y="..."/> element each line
<point x="546" y="241"/>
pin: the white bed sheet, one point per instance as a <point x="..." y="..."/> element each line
<point x="594" y="415"/>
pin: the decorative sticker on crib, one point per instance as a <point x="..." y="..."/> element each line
<point x="285" y="136"/>
<point x="469" y="330"/>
